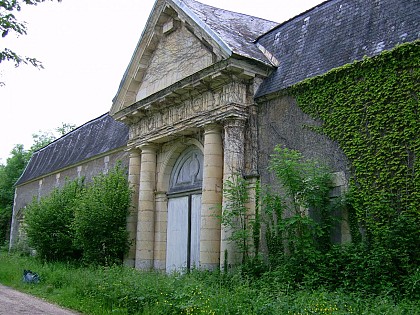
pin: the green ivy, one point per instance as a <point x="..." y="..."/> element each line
<point x="371" y="109"/>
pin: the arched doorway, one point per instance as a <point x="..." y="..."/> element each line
<point x="184" y="211"/>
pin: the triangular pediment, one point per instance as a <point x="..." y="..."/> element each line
<point x="173" y="46"/>
<point x="178" y="55"/>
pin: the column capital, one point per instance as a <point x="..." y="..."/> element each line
<point x="212" y="128"/>
<point x="133" y="152"/>
<point x="233" y="122"/>
<point x="148" y="147"/>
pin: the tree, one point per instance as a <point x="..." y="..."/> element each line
<point x="10" y="24"/>
<point x="14" y="167"/>
<point x="9" y="174"/>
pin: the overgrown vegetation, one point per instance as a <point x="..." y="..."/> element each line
<point x="298" y="218"/>
<point x="82" y="220"/>
<point x="12" y="170"/>
<point x="371" y="108"/>
<point x="236" y="218"/>
<point x="48" y="223"/>
<point x="119" y="290"/>
<point x="101" y="218"/>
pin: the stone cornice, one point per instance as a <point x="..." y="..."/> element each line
<point x="188" y="125"/>
<point x="209" y="79"/>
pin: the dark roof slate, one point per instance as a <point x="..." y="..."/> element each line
<point x="238" y="31"/>
<point x="335" y="33"/>
<point x="95" y="137"/>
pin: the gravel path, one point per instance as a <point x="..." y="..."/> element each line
<point x="13" y="302"/>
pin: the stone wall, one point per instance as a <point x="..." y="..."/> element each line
<point x="282" y="122"/>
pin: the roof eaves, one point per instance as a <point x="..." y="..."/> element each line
<point x="127" y="69"/>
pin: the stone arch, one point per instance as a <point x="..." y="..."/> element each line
<point x="169" y="159"/>
<point x="187" y="173"/>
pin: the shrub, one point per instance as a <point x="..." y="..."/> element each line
<point x="236" y="214"/>
<point x="100" y="219"/>
<point x="299" y="216"/>
<point x="82" y="221"/>
<point x="48" y="223"/>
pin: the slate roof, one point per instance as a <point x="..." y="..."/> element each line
<point x="238" y="31"/>
<point x="335" y="33"/>
<point x="95" y="137"/>
<point x="327" y="36"/>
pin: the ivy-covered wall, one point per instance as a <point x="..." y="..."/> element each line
<point x="370" y="108"/>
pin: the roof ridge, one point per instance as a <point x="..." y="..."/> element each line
<point x="71" y="131"/>
<point x="237" y="30"/>
<point x="234" y="12"/>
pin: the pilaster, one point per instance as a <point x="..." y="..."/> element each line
<point x="234" y="152"/>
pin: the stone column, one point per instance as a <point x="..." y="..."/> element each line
<point x="211" y="197"/>
<point x="146" y="213"/>
<point x="233" y="164"/>
<point x="134" y="182"/>
<point x="161" y="225"/>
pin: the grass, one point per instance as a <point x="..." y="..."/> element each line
<point x="119" y="290"/>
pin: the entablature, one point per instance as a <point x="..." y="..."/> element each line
<point x="211" y="79"/>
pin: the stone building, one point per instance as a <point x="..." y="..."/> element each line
<point x="202" y="99"/>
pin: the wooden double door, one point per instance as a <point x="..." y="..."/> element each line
<point x="183" y="232"/>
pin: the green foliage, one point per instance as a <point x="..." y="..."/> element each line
<point x="371" y="108"/>
<point x="82" y="221"/>
<point x="10" y="24"/>
<point x="100" y="218"/>
<point x="5" y="221"/>
<point x="299" y="216"/>
<point x="236" y="217"/>
<point x="9" y="174"/>
<point x="300" y="213"/>
<point x="48" y="223"/>
<point x="119" y="290"/>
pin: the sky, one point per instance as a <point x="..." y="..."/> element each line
<point x="85" y="47"/>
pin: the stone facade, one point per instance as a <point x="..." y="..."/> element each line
<point x="201" y="100"/>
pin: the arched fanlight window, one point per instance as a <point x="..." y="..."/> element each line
<point x="187" y="174"/>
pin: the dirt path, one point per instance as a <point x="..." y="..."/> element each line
<point x="13" y="302"/>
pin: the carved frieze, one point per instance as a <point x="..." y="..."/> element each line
<point x="210" y="106"/>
